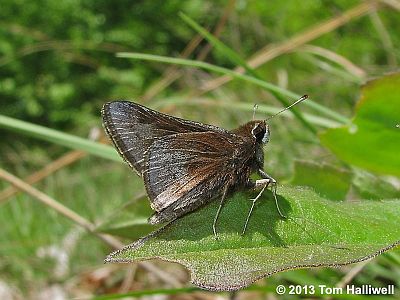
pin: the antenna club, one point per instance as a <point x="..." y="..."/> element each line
<point x="301" y="99"/>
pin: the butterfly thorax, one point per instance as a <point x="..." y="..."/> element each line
<point x="254" y="135"/>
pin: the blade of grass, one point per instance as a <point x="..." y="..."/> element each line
<point x="331" y="69"/>
<point x="236" y="59"/>
<point x="60" y="163"/>
<point x="59" y="138"/>
<point x="61" y="46"/>
<point x="81" y="221"/>
<point x="340" y="60"/>
<point x="384" y="37"/>
<point x="218" y="45"/>
<point x="149" y="292"/>
<point x="49" y="169"/>
<point x="392" y="3"/>
<point x="225" y="16"/>
<point x="265" y="85"/>
<point x="243" y="106"/>
<point x="177" y="291"/>
<point x="58" y="207"/>
<point x="394" y="257"/>
<point x="353" y="272"/>
<point x="173" y="72"/>
<point x="272" y="51"/>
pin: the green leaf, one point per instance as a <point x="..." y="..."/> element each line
<point x="372" y="187"/>
<point x="327" y="180"/>
<point x="58" y="137"/>
<point x="129" y="221"/>
<point x="372" y="142"/>
<point x="318" y="232"/>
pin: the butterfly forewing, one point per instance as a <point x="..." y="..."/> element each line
<point x="133" y="129"/>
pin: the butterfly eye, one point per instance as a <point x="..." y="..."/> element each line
<point x="259" y="132"/>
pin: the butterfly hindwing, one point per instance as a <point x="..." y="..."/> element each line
<point x="183" y="170"/>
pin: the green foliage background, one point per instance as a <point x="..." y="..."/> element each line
<point x="58" y="66"/>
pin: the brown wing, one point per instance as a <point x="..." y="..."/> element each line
<point x="184" y="171"/>
<point x="133" y="128"/>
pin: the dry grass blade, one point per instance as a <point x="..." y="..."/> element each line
<point x="385" y="38"/>
<point x="61" y="46"/>
<point x="271" y="51"/>
<point x="352" y="273"/>
<point x="218" y="28"/>
<point x="58" y="207"/>
<point x="53" y="166"/>
<point x="393" y="4"/>
<point x="49" y="169"/>
<point x="18" y="29"/>
<point x="90" y="227"/>
<point x="338" y="59"/>
<point x="128" y="280"/>
<point x="173" y="73"/>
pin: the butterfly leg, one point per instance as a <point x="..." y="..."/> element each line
<point x="259" y="184"/>
<point x="221" y="204"/>
<point x="273" y="188"/>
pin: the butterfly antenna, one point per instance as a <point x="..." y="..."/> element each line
<point x="255" y="107"/>
<point x="301" y="99"/>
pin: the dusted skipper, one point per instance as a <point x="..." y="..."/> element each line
<point x="187" y="164"/>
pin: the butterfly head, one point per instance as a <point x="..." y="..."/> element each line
<point x="260" y="132"/>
